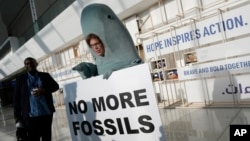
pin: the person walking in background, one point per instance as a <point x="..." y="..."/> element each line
<point x="33" y="101"/>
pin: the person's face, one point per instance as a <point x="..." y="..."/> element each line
<point x="191" y="57"/>
<point x="97" y="47"/>
<point x="30" y="65"/>
<point x="172" y="75"/>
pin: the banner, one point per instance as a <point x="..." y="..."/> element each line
<point x="216" y="68"/>
<point x="224" y="50"/>
<point x="118" y="109"/>
<point x="203" y="32"/>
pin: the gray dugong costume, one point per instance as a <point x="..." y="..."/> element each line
<point x="120" y="50"/>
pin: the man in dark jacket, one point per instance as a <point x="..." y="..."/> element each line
<point x="33" y="101"/>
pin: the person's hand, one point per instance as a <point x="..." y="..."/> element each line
<point x="38" y="91"/>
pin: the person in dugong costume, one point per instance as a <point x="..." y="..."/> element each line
<point x="120" y="52"/>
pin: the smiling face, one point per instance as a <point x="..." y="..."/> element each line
<point x="97" y="47"/>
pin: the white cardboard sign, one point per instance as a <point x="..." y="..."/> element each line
<point x="121" y="108"/>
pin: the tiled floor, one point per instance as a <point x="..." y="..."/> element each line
<point x="181" y="124"/>
<point x="8" y="130"/>
<point x="202" y="124"/>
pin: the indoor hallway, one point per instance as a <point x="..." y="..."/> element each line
<point x="180" y="124"/>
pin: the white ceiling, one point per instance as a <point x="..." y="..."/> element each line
<point x="138" y="8"/>
<point x="10" y="15"/>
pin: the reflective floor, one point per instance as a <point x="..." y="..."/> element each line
<point x="181" y="124"/>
